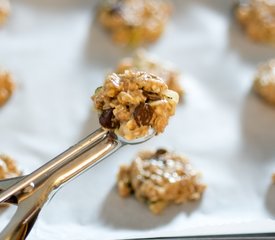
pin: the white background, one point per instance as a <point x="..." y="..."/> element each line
<point x="58" y="55"/>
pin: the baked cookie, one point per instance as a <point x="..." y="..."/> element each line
<point x="142" y="61"/>
<point x="264" y="83"/>
<point x="134" y="22"/>
<point x="273" y="178"/>
<point x="4" y="10"/>
<point x="7" y="87"/>
<point x="159" y="178"/>
<point x="257" y="17"/>
<point x="133" y="103"/>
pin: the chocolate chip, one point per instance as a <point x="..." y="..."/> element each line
<point x="108" y="120"/>
<point x="111" y="136"/>
<point x="151" y="96"/>
<point x="143" y="114"/>
<point x="160" y="151"/>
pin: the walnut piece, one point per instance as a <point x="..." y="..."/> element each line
<point x="142" y="61"/>
<point x="258" y="20"/>
<point x="7" y="87"/>
<point x="264" y="83"/>
<point x="125" y="106"/>
<point x="160" y="178"/>
<point x="134" y="22"/>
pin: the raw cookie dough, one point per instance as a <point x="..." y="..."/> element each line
<point x="4" y="10"/>
<point x="264" y="83"/>
<point x="258" y="20"/>
<point x="132" y="103"/>
<point x="8" y="168"/>
<point x="134" y="22"/>
<point x="160" y="178"/>
<point x="6" y="87"/>
<point x="142" y="61"/>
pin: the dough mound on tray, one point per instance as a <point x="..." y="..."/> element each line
<point x="7" y="87"/>
<point x="4" y="11"/>
<point x="142" y="61"/>
<point x="159" y="178"/>
<point x="257" y="18"/>
<point x="8" y="168"/>
<point x="134" y="22"/>
<point x="264" y="84"/>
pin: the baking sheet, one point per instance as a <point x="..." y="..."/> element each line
<point x="59" y="55"/>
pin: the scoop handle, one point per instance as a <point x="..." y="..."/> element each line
<point x="33" y="190"/>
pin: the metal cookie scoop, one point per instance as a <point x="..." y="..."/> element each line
<point x="32" y="191"/>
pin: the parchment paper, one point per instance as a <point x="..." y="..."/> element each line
<point x="58" y="55"/>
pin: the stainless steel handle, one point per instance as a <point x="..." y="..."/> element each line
<point x="32" y="191"/>
<point x="61" y="160"/>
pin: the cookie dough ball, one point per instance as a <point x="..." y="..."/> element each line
<point x="159" y="178"/>
<point x="4" y="10"/>
<point x="7" y="87"/>
<point x="132" y="103"/>
<point x="257" y="18"/>
<point x="134" y="22"/>
<point x="141" y="61"/>
<point x="264" y="83"/>
<point x="8" y="168"/>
